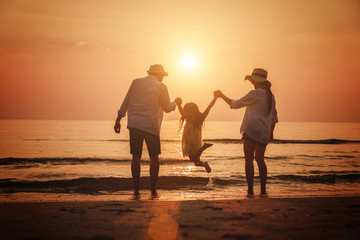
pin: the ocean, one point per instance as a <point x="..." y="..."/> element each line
<point x="63" y="160"/>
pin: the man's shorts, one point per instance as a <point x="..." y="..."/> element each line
<point x="137" y="137"/>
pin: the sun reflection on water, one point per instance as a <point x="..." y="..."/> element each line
<point x="184" y="171"/>
<point x="178" y="147"/>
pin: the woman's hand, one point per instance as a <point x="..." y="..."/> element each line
<point x="272" y="132"/>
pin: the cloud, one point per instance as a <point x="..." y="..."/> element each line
<point x="38" y="46"/>
<point x="86" y="46"/>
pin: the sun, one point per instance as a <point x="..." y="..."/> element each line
<point x="189" y="62"/>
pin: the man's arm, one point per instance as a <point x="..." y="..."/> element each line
<point x="165" y="103"/>
<point x="123" y="109"/>
<point x="117" y="125"/>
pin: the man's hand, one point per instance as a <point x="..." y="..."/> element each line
<point x="217" y="94"/>
<point x="117" y="127"/>
<point x="178" y="101"/>
<point x="271" y="137"/>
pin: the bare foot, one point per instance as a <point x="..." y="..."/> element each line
<point x="207" y="167"/>
<point x="136" y="195"/>
<point x="154" y="194"/>
<point x="250" y="193"/>
<point x="207" y="145"/>
<point x="263" y="193"/>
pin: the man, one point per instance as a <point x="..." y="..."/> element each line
<point x="145" y="102"/>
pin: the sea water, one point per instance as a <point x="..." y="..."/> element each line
<point x="49" y="160"/>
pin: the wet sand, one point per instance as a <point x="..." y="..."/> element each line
<point x="249" y="218"/>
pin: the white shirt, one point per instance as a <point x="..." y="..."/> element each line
<point x="256" y="123"/>
<point x="145" y="102"/>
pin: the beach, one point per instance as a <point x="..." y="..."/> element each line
<point x="246" y="218"/>
<point x="206" y="102"/>
<point x="66" y="182"/>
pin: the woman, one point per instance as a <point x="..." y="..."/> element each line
<point x="258" y="124"/>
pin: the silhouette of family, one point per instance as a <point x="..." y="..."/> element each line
<point x="148" y="97"/>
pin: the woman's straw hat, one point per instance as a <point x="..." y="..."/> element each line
<point x="258" y="75"/>
<point x="157" y="68"/>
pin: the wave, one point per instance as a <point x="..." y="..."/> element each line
<point x="320" y="178"/>
<point x="26" y="162"/>
<point x="326" y="156"/>
<point x="111" y="184"/>
<point x="215" y="140"/>
<point x="19" y="163"/>
<point x="97" y="185"/>
<point x="323" y="141"/>
<point x="12" y="161"/>
<point x="290" y="141"/>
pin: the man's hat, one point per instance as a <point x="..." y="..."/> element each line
<point x="157" y="68"/>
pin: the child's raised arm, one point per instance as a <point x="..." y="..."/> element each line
<point x="178" y="102"/>
<point x="207" y="110"/>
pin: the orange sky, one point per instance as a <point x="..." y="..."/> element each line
<point x="76" y="59"/>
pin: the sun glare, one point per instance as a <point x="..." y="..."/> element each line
<point x="188" y="62"/>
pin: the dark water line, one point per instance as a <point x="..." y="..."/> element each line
<point x="220" y="140"/>
<point x="96" y="185"/>
<point x="320" y="178"/>
<point x="75" y="161"/>
<point x="32" y="162"/>
<point x="92" y="185"/>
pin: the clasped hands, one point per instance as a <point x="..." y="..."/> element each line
<point x="217" y="94"/>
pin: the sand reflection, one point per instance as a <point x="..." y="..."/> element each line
<point x="162" y="225"/>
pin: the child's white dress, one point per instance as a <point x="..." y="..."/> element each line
<point x="191" y="139"/>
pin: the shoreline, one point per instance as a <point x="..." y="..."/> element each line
<point x="125" y="196"/>
<point x="325" y="217"/>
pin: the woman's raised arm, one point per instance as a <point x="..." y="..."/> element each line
<point x="219" y="94"/>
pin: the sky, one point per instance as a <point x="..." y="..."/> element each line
<point x="76" y="59"/>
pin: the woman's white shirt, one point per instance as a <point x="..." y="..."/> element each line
<point x="256" y="122"/>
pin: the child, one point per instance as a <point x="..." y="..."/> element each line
<point x="192" y="143"/>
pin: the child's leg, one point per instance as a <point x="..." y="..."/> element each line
<point x="203" y="164"/>
<point x="199" y="163"/>
<point x="196" y="156"/>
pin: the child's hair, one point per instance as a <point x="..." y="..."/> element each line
<point x="267" y="86"/>
<point x="195" y="116"/>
